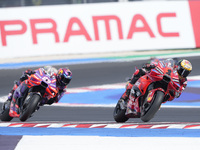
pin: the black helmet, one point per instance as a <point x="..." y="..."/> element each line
<point x="184" y="67"/>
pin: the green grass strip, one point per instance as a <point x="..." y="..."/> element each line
<point x="154" y="55"/>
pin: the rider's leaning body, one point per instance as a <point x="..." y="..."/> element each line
<point x="182" y="69"/>
<point x="62" y="76"/>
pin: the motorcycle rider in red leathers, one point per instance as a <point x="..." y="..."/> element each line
<point x="183" y="68"/>
<point x="63" y="76"/>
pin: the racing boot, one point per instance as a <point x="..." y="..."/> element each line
<point x="137" y="74"/>
<point x="125" y="97"/>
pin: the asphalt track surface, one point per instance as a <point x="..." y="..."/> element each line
<point x="98" y="74"/>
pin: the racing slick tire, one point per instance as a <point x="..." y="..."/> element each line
<point x="119" y="114"/>
<point x="148" y="114"/>
<point x="4" y="115"/>
<point x="29" y="106"/>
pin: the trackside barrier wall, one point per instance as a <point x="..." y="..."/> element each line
<point x="96" y="28"/>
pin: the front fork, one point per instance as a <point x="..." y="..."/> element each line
<point x="17" y="100"/>
<point x="133" y="109"/>
<point x="152" y="93"/>
<point x="148" y="100"/>
<point x="133" y="105"/>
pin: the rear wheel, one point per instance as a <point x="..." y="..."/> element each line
<point x="149" y="109"/>
<point x="29" y="106"/>
<point x="119" y="113"/>
<point x="4" y="115"/>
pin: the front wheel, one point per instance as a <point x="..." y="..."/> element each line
<point x="149" y="110"/>
<point x="4" y="115"/>
<point x="119" y="113"/>
<point x="29" y="106"/>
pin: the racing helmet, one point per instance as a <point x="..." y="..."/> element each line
<point x="64" y="76"/>
<point x="184" y="67"/>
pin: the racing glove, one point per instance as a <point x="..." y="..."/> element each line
<point x="148" y="66"/>
<point x="177" y="94"/>
<point x="181" y="89"/>
<point x="26" y="74"/>
<point x="29" y="72"/>
<point x="23" y="77"/>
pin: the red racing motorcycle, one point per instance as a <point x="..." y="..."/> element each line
<point x="149" y="92"/>
<point x="37" y="90"/>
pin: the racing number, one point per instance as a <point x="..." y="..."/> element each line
<point x="169" y="71"/>
<point x="47" y="80"/>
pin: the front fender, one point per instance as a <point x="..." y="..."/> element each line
<point x="151" y="93"/>
<point x="149" y="109"/>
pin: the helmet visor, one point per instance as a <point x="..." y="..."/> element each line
<point x="184" y="72"/>
<point x="65" y="80"/>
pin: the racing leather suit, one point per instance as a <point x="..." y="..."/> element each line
<point x="140" y="72"/>
<point x="61" y="89"/>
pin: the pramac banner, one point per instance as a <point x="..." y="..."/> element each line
<point x="96" y="28"/>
